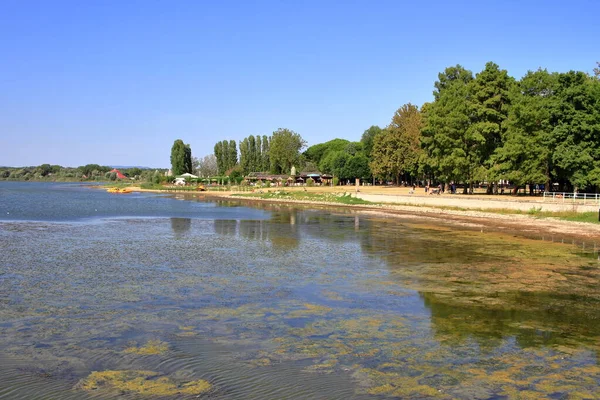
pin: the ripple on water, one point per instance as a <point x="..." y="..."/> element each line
<point x="313" y="309"/>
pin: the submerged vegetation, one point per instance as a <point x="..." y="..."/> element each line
<point x="148" y="383"/>
<point x="152" y="347"/>
<point x="397" y="307"/>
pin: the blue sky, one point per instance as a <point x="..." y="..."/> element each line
<point x="116" y="82"/>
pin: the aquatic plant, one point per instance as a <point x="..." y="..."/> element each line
<point x="148" y="383"/>
<point x="151" y="347"/>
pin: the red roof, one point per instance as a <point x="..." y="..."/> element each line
<point x="119" y="174"/>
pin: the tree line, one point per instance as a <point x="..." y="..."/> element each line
<point x="543" y="129"/>
<point x="488" y="127"/>
<point x="88" y="172"/>
<point x="270" y="154"/>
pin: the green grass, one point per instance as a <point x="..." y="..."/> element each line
<point x="345" y="198"/>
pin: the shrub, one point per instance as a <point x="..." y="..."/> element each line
<point x="336" y="181"/>
<point x="310" y="182"/>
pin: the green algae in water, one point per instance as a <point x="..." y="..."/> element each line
<point x="145" y="383"/>
<point x="150" y="348"/>
<point x="406" y="311"/>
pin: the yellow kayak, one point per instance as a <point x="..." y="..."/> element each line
<point x="117" y="190"/>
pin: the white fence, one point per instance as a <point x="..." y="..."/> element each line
<point x="577" y="198"/>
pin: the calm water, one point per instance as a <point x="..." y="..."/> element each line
<point x="149" y="296"/>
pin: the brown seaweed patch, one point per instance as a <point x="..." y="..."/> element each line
<point x="151" y="347"/>
<point x="147" y="383"/>
<point x="309" y="310"/>
<point x="325" y="367"/>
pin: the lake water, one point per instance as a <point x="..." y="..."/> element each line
<point x="152" y="296"/>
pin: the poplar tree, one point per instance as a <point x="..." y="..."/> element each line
<point x="181" y="158"/>
<point x="232" y="154"/>
<point x="265" y="164"/>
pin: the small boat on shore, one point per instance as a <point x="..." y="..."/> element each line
<point x="119" y="191"/>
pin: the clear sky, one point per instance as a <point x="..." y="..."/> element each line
<point x="116" y="82"/>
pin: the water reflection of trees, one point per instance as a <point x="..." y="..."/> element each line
<point x="181" y="226"/>
<point x="289" y="226"/>
<point x="467" y="281"/>
<point x="533" y="319"/>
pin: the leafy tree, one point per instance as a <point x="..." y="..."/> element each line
<point x="225" y="151"/>
<point x="89" y="168"/>
<point x="244" y="156"/>
<point x="357" y="166"/>
<point x="335" y="163"/>
<point x="206" y="166"/>
<point x="452" y="148"/>
<point x="258" y="154"/>
<point x="252" y="154"/>
<point x="235" y="174"/>
<point x="526" y="154"/>
<point x="597" y="70"/>
<point x="226" y="155"/>
<point x="181" y="158"/>
<point x="353" y="148"/>
<point x="489" y="104"/>
<point x="187" y="160"/>
<point x="368" y="137"/>
<point x="284" y="150"/>
<point x="233" y="155"/>
<point x="265" y="163"/>
<point x="44" y="169"/>
<point x="577" y="153"/>
<point x="219" y="157"/>
<point x="318" y="152"/>
<point x="396" y="150"/>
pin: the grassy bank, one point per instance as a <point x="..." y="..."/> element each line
<point x="338" y="198"/>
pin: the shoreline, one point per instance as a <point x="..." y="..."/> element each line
<point x="474" y="217"/>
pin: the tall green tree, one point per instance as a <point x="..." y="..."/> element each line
<point x="181" y="158"/>
<point x="244" y="156"/>
<point x="526" y="155"/>
<point x="452" y="148"/>
<point x="396" y="150"/>
<point x="489" y="105"/>
<point x="232" y="155"/>
<point x="368" y="137"/>
<point x="258" y="155"/>
<point x="285" y="150"/>
<point x="187" y="159"/>
<point x="318" y="152"/>
<point x="226" y="155"/>
<point x="219" y="157"/>
<point x="577" y="131"/>
<point x="265" y="163"/>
